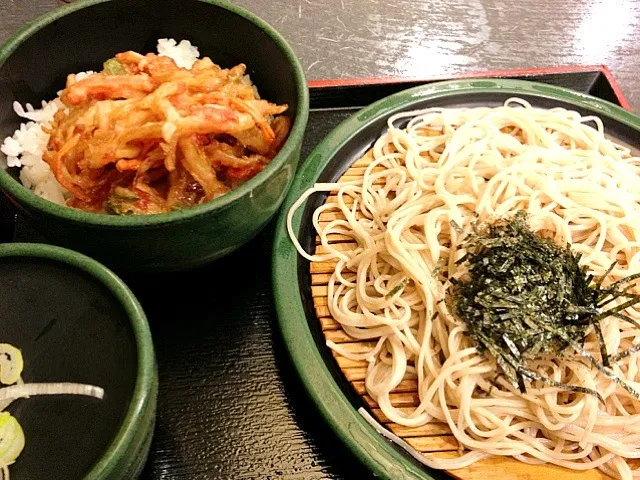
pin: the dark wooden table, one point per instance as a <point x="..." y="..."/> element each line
<point x="255" y="421"/>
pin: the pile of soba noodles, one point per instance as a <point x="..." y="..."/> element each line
<point x="432" y="175"/>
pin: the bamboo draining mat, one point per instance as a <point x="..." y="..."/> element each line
<point x="434" y="439"/>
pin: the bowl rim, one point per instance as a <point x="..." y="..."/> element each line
<point x="146" y="376"/>
<point x="15" y="189"/>
<point x="384" y="459"/>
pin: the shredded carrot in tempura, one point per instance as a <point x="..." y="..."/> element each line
<point x="145" y="136"/>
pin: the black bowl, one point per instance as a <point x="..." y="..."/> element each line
<point x="75" y="321"/>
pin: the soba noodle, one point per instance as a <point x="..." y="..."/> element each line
<point x="428" y="180"/>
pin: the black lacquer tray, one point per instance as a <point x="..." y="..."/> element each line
<point x="230" y="405"/>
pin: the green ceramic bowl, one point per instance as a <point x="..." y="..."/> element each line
<point x="79" y="37"/>
<point x="300" y="328"/>
<point x="75" y="321"/>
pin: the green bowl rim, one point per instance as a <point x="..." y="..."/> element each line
<point x="26" y="196"/>
<point x="146" y="376"/>
<point x="381" y="457"/>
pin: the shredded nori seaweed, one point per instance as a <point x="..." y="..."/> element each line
<point x="525" y="297"/>
<point x="401" y="284"/>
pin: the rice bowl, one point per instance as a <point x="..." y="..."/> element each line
<point x="183" y="238"/>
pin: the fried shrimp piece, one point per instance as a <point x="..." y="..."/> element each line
<point x="95" y="88"/>
<point x="101" y="87"/>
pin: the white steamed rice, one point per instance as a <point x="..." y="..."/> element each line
<point x="27" y="145"/>
<point x="183" y="53"/>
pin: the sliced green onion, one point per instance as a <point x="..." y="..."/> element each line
<point x="31" y="389"/>
<point x="10" y="364"/>
<point x="11" y="438"/>
<point x="114" y="67"/>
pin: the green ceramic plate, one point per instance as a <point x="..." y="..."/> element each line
<point x="346" y="143"/>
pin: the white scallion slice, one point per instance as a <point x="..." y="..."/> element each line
<point x="31" y="389"/>
<point x="11" y="438"/>
<point x="10" y="364"/>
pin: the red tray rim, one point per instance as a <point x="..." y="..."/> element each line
<point x="356" y="81"/>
